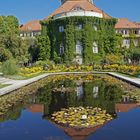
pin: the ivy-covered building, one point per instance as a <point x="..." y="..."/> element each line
<point x="79" y="32"/>
<point x="130" y="32"/>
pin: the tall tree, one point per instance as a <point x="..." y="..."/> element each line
<point x="43" y="43"/>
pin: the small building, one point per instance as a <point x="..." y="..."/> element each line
<point x="30" y="29"/>
<point x="130" y="32"/>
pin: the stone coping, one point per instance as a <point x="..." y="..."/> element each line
<point x="21" y="83"/>
<point x="133" y="81"/>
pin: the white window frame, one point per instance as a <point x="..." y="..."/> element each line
<point x="79" y="47"/>
<point x="61" y="29"/>
<point x="126" y="41"/>
<point x="95" y="27"/>
<point x="95" y="48"/>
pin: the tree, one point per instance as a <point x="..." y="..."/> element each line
<point x="5" y="54"/>
<point x="43" y="43"/>
<point x="134" y="55"/>
<point x="9" y="25"/>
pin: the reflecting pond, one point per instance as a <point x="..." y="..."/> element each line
<point x="30" y="117"/>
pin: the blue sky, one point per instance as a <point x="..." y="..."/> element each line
<point x="26" y="10"/>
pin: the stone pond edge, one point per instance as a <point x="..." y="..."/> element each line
<point x="22" y="83"/>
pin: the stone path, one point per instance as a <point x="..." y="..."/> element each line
<point x="16" y="84"/>
<point x="133" y="81"/>
<point x="7" y="81"/>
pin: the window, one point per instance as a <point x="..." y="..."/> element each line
<point x="121" y="32"/>
<point x="126" y="41"/>
<point x="136" y="42"/>
<point x="126" y="32"/>
<point x="77" y="8"/>
<point x="25" y="35"/>
<point x="79" y="27"/>
<point x="95" y="91"/>
<point x="95" y="27"/>
<point x="95" y="48"/>
<point x="61" y="28"/>
<point x="80" y="92"/>
<point x="61" y="49"/>
<point x="28" y="34"/>
<point x="136" y="32"/>
<point x="21" y="34"/>
<point x="79" y="47"/>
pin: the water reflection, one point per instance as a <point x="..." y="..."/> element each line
<point x="73" y="93"/>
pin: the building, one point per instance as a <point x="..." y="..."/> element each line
<point x="70" y="8"/>
<point x="65" y="28"/>
<point x="30" y="29"/>
<point x="130" y="32"/>
<point x="67" y="24"/>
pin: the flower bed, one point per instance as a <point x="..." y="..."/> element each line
<point x="132" y="70"/>
<point x="28" y="72"/>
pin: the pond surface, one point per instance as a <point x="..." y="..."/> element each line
<point x="30" y="119"/>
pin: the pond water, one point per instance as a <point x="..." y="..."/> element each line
<point x="30" y="119"/>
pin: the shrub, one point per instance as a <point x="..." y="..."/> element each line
<point x="9" y="68"/>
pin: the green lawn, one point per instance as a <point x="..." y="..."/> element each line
<point x="3" y="85"/>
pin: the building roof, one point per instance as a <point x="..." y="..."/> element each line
<point x="125" y="107"/>
<point x="33" y="25"/>
<point x="84" y="4"/>
<point x="124" y="23"/>
<point x="36" y="108"/>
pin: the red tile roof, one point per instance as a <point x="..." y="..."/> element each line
<point x="33" y="25"/>
<point x="124" y="23"/>
<point x="125" y="107"/>
<point x="84" y="4"/>
<point x="36" y="108"/>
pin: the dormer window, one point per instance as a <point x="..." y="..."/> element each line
<point x="61" y="29"/>
<point x="77" y="8"/>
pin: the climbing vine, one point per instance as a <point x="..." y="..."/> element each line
<point x="104" y="36"/>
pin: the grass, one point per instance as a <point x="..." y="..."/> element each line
<point x="19" y="77"/>
<point x="3" y="85"/>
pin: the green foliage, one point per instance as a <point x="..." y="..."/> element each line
<point x="69" y="43"/>
<point x="43" y="43"/>
<point x="105" y="37"/>
<point x="114" y="59"/>
<point x="88" y="43"/>
<point x="5" y="54"/>
<point x="9" y="67"/>
<point x="134" y="55"/>
<point x="11" y="45"/>
<point x="9" y="25"/>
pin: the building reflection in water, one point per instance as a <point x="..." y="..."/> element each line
<point x="94" y="91"/>
<point x="79" y="92"/>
